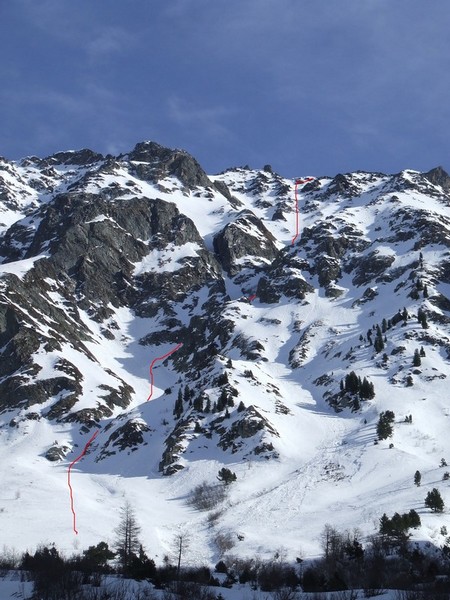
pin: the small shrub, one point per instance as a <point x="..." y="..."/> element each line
<point x="224" y="542"/>
<point x="213" y="517"/>
<point x="206" y="496"/>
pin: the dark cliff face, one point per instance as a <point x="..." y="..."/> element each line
<point x="84" y="248"/>
<point x="439" y="177"/>
<point x="156" y="162"/>
<point x="246" y="236"/>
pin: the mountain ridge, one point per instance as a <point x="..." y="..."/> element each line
<point x="111" y="262"/>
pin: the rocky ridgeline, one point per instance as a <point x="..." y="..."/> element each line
<point x="76" y="225"/>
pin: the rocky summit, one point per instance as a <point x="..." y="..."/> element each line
<point x="169" y="311"/>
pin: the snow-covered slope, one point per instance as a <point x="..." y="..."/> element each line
<point x="169" y="312"/>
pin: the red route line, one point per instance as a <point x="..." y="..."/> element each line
<point x="68" y="480"/>
<point x="297" y="183"/>
<point x="97" y="432"/>
<point x="177" y="347"/>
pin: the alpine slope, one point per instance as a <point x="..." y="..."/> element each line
<point x="162" y="325"/>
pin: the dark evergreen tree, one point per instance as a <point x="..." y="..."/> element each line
<point x="379" y="342"/>
<point x="434" y="501"/>
<point x="178" y="409"/>
<point x="397" y="317"/>
<point x="417" y="478"/>
<point x="413" y="519"/>
<point x="367" y="391"/>
<point x="198" y="403"/>
<point x="95" y="558"/>
<point x="384" y="426"/>
<point x="425" y="291"/>
<point x="398" y="525"/>
<point x="226" y="476"/>
<point x="385" y="525"/>
<point x="141" y="566"/>
<point x="187" y="394"/>
<point x="422" y="352"/>
<point x="351" y="383"/>
<point x="414" y="294"/>
<point x="416" y="359"/>
<point x="222" y="379"/>
<point x="422" y="318"/>
<point x="222" y="401"/>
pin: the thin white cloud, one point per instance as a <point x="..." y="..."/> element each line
<point x="208" y="119"/>
<point x="108" y="41"/>
<point x="69" y="25"/>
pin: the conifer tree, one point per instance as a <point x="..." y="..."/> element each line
<point x="127" y="537"/>
<point x="198" y="403"/>
<point x="178" y="409"/>
<point x="378" y="343"/>
<point x="187" y="394"/>
<point x="222" y="401"/>
<point x="367" y="390"/>
<point x="417" y="478"/>
<point x="226" y="476"/>
<point x="422" y="318"/>
<point x="384" y="426"/>
<point x="416" y="359"/>
<point x="434" y="501"/>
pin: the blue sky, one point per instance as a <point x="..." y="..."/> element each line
<point x="312" y="87"/>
